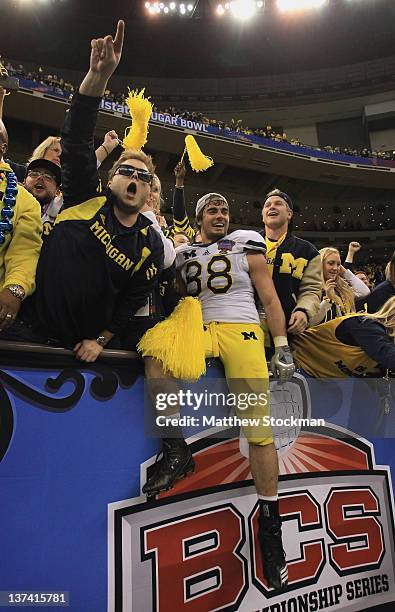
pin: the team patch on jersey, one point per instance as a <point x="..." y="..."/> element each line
<point x="226" y="245"/>
<point x="247" y="240"/>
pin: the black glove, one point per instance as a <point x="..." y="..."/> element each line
<point x="282" y="364"/>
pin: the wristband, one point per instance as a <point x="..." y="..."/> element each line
<point x="280" y="341"/>
<point x="102" y="145"/>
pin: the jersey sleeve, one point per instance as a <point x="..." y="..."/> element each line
<point x="248" y="240"/>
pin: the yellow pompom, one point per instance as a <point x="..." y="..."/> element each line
<point x="178" y="341"/>
<point x="140" y="109"/>
<point x="199" y="162"/>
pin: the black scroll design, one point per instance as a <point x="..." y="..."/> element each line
<point x="6" y="422"/>
<point x="48" y="402"/>
<point x="107" y="380"/>
<point x="103" y="386"/>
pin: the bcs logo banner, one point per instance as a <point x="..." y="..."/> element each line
<point x="195" y="550"/>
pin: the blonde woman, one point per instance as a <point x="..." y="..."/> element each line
<point x="155" y="201"/>
<point x="340" y="287"/>
<point x="352" y="345"/>
<point x="151" y="210"/>
<point x="48" y="149"/>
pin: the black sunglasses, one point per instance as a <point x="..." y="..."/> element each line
<point x="142" y="175"/>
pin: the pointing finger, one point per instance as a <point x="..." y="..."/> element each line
<point x="119" y="36"/>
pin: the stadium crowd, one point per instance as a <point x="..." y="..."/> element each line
<point x="120" y="275"/>
<point x="235" y="126"/>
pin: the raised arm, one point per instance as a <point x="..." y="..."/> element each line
<point x="80" y="179"/>
<point x="180" y="217"/>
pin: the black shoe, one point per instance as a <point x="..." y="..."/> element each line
<point x="176" y="463"/>
<point x="273" y="556"/>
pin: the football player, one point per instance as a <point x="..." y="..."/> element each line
<point x="224" y="271"/>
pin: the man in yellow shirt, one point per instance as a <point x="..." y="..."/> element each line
<point x="20" y="239"/>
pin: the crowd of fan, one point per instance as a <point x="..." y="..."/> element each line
<point x="85" y="265"/>
<point x="61" y="86"/>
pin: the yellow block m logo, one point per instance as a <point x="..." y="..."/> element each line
<point x="290" y="265"/>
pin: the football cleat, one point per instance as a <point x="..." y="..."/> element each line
<point x="176" y="462"/>
<point x="273" y="556"/>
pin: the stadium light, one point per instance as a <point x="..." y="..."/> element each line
<point x="242" y="10"/>
<point x="285" y="6"/>
<point x="171" y="9"/>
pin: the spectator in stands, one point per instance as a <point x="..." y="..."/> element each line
<point x="180" y="238"/>
<point x="104" y="255"/>
<point x="43" y="181"/>
<point x="361" y="274"/>
<point x="20" y="239"/>
<point x="294" y="264"/>
<point x="384" y="291"/>
<point x="60" y="86"/>
<point x="340" y="287"/>
<point x="352" y="345"/>
<point x="353" y="248"/>
<point x="49" y="148"/>
<point x="155" y="202"/>
<point x="181" y="221"/>
<point x="162" y="299"/>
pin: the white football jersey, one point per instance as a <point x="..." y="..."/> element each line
<point x="218" y="274"/>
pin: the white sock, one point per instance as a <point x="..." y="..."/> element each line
<point x="267" y="498"/>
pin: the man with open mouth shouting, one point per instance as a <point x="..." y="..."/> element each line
<point x="102" y="258"/>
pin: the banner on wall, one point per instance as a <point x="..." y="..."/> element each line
<point x="165" y="119"/>
<point x="74" y="455"/>
<point x="194" y="549"/>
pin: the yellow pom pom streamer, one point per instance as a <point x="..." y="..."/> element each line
<point x="178" y="341"/>
<point x="140" y="109"/>
<point x="199" y="162"/>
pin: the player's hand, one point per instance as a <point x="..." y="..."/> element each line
<point x="329" y="288"/>
<point x="87" y="350"/>
<point x="111" y="141"/>
<point x="179" y="172"/>
<point x="354" y="247"/>
<point x="298" y="322"/>
<point x="106" y="52"/>
<point x="282" y="364"/>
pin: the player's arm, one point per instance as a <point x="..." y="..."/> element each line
<point x="282" y="361"/>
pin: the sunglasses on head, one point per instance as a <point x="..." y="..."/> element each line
<point x="142" y="175"/>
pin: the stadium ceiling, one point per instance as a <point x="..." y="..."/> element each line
<point x="199" y="43"/>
